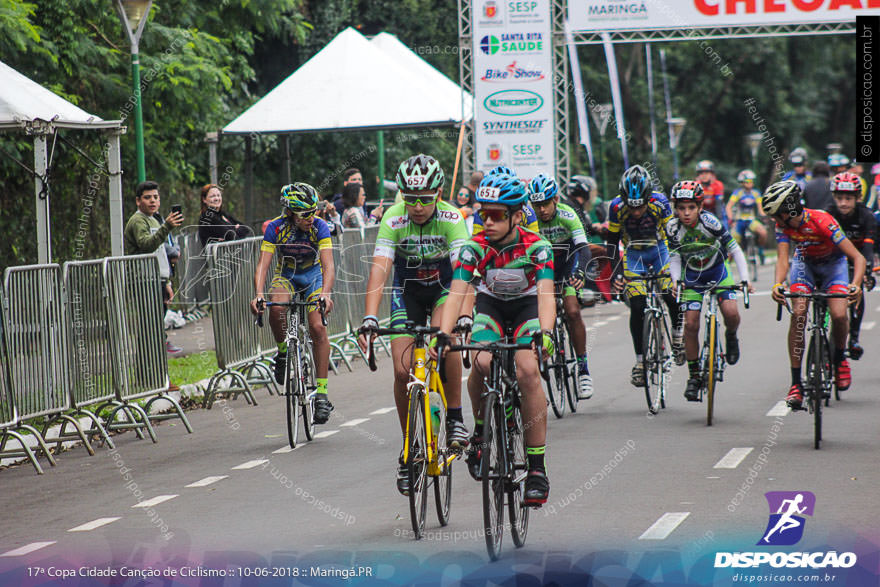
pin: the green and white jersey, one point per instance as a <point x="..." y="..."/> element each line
<point x="565" y="233"/>
<point x="702" y="246"/>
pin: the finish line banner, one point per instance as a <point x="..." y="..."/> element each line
<point x="513" y="86"/>
<point x="614" y="15"/>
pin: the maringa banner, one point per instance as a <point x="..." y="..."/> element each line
<point x="612" y="15"/>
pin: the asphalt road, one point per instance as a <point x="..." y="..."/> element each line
<point x="625" y="486"/>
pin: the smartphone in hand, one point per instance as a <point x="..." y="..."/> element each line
<point x="177" y="208"/>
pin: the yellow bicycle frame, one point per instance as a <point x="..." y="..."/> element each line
<point x="424" y="374"/>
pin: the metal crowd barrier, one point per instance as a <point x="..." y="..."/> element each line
<point x="136" y="311"/>
<point x="192" y="290"/>
<point x="337" y="323"/>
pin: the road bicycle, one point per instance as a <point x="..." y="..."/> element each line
<point x="819" y="384"/>
<point x="299" y="374"/>
<point x="751" y="251"/>
<point x="657" y="343"/>
<point x="503" y="463"/>
<point x="427" y="458"/>
<point x="562" y="382"/>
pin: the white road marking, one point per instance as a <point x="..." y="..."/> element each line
<point x="93" y="524"/>
<point x="780" y="409"/>
<point x="354" y="422"/>
<point x="733" y="458"/>
<point x="613" y="318"/>
<point x="326" y="433"/>
<point x="869" y="325"/>
<point x="27" y="548"/>
<point x="155" y="501"/>
<point x="600" y="323"/>
<point x="250" y="464"/>
<point x="381" y="411"/>
<point x="207" y="481"/>
<point x="713" y="477"/>
<point x="283" y="450"/>
<point x="664" y="526"/>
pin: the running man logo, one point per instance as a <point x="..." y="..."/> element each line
<point x="786" y="524"/>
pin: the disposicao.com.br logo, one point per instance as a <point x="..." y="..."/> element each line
<point x="786" y="528"/>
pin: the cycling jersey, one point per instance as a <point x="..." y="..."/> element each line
<point x="801" y="180"/>
<point x="745" y="204"/>
<point x="643" y="232"/>
<point x="511" y="273"/>
<point x="697" y="248"/>
<point x="817" y="237"/>
<point x="569" y="241"/>
<point x="713" y="196"/>
<point x="299" y="249"/>
<point x="423" y="253"/>
<point x="860" y="227"/>
<point x="529" y="221"/>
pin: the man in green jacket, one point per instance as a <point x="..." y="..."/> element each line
<point x="144" y="235"/>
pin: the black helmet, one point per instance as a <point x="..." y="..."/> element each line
<point x="635" y="186"/>
<point x="582" y="186"/>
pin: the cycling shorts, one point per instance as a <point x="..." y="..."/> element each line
<point x="307" y="283"/>
<point x="415" y="302"/>
<point x="741" y="226"/>
<point x="830" y="276"/>
<point x="638" y="262"/>
<point x="698" y="281"/>
<point x="494" y="317"/>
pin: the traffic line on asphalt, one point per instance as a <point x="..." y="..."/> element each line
<point x="733" y="458"/>
<point x="869" y="325"/>
<point x="713" y="477"/>
<point x="381" y="411"/>
<point x="207" y="481"/>
<point x="94" y="524"/>
<point x="283" y="450"/>
<point x="250" y="464"/>
<point x="354" y="422"/>
<point x="663" y="527"/>
<point x="27" y="548"/>
<point x="326" y="433"/>
<point x="613" y="318"/>
<point x="600" y="323"/>
<point x="155" y="501"/>
<point x="780" y="409"/>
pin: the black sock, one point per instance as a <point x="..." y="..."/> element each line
<point x="730" y="334"/>
<point x="454" y="414"/>
<point x="839" y="355"/>
<point x="694" y="368"/>
<point x="795" y="375"/>
<point x="535" y="457"/>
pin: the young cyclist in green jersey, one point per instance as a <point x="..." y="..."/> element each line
<point x="516" y="293"/>
<point x="699" y="246"/>
<point x="559" y="225"/>
<point x="419" y="238"/>
<point x="306" y="264"/>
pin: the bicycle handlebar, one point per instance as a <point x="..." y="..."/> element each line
<point x="322" y="306"/>
<point x="418" y="330"/>
<point x="494" y="348"/>
<point x="816" y="295"/>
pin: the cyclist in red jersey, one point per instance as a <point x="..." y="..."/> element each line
<point x="820" y="257"/>
<point x="713" y="190"/>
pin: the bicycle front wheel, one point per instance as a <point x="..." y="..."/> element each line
<point x="752" y="258"/>
<point x="417" y="461"/>
<point x="291" y="395"/>
<point x="492" y="466"/>
<point x="556" y="382"/>
<point x="711" y="373"/>
<point x="443" y="481"/>
<point x="653" y="362"/>
<point x="308" y="385"/>
<point x="573" y="387"/>
<point x="517" y="513"/>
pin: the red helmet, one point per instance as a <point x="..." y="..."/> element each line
<point x="846" y="182"/>
<point x="687" y="191"/>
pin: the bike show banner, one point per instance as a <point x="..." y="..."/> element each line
<point x="513" y="86"/>
<point x="613" y="15"/>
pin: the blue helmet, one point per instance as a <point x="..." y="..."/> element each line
<point x="542" y="188"/>
<point x="838" y="160"/>
<point x="501" y="170"/>
<point x="501" y="189"/>
<point x="635" y="186"/>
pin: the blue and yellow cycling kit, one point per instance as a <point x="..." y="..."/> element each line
<point x="745" y="205"/>
<point x="643" y="238"/>
<point x="299" y="266"/>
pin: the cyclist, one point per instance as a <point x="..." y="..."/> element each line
<point x="713" y="189"/>
<point x="583" y="195"/>
<point x="838" y="162"/>
<point x="516" y="294"/>
<point x="306" y="266"/>
<point x="700" y="245"/>
<point x="799" y="173"/>
<point x="744" y="207"/>
<point x="859" y="226"/>
<point x="857" y="168"/>
<point x="638" y="218"/>
<point x="419" y="238"/>
<point x="821" y="249"/>
<point x="559" y="225"/>
<point x="529" y="219"/>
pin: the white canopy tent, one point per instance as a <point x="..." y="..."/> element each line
<point x="27" y="106"/>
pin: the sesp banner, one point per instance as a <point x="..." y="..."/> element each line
<point x="617" y="15"/>
<point x="513" y="86"/>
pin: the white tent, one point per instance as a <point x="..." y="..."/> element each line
<point x="355" y="84"/>
<point x="28" y="106"/>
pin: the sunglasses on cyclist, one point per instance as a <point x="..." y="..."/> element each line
<point x="306" y="214"/>
<point x="495" y="214"/>
<point x="423" y="199"/>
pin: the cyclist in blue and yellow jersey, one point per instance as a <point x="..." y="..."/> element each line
<point x="838" y="163"/>
<point x="419" y="238"/>
<point x="637" y="218"/>
<point x="305" y="265"/>
<point x="799" y="173"/>
<point x="529" y="220"/>
<point x="516" y="295"/>
<point x="744" y="210"/>
<point x="559" y="225"/>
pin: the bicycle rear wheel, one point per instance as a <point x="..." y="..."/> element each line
<point x="492" y="466"/>
<point x="417" y="461"/>
<point x="443" y="482"/>
<point x="711" y="374"/>
<point x="752" y="257"/>
<point x="573" y="387"/>
<point x="517" y="513"/>
<point x="652" y="362"/>
<point x="817" y="370"/>
<point x="291" y="395"/>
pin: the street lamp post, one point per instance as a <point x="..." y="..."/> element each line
<point x="676" y="127"/>
<point x="133" y="14"/>
<point x="754" y="142"/>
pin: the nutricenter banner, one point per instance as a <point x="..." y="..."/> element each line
<point x="612" y="15"/>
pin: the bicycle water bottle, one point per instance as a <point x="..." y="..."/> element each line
<point x="436" y="404"/>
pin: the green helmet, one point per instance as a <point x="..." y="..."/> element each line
<point x="299" y="197"/>
<point x="420" y="172"/>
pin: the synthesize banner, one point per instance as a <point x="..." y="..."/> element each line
<point x="613" y="15"/>
<point x="513" y="86"/>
